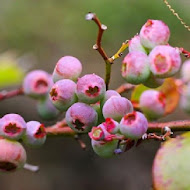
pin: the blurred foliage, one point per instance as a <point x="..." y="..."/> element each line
<point x="10" y="72"/>
<point x="171" y="164"/>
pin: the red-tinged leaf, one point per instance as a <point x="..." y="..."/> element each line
<point x="171" y="92"/>
<point x="171" y="165"/>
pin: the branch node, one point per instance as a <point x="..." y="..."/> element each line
<point x="89" y="16"/>
<point x="103" y="27"/>
<point x="95" y="47"/>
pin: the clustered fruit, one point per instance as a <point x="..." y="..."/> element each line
<point x="151" y="59"/>
<point x="13" y="129"/>
<point x="109" y="119"/>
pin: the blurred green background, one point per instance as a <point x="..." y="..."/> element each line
<point x="35" y="34"/>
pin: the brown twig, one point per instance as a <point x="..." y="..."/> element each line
<point x="81" y="143"/>
<point x="173" y="125"/>
<point x="9" y="94"/>
<point x="184" y="52"/>
<point x="125" y="87"/>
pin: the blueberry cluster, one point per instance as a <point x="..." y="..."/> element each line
<point x="151" y="59"/>
<point x="13" y="128"/>
<point x="87" y="105"/>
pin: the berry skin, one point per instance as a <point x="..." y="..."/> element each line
<point x="12" y="155"/>
<point x="152" y="103"/>
<point x="116" y="107"/>
<point x="185" y="103"/>
<point x="185" y="68"/>
<point x="165" y="61"/>
<point x="90" y="88"/>
<point x="153" y="33"/>
<point x="153" y="82"/>
<point x="109" y="94"/>
<point x="12" y="126"/>
<point x="104" y="149"/>
<point x="67" y="67"/>
<point x="133" y="125"/>
<point x="37" y="84"/>
<point x="135" y="67"/>
<point x="135" y="45"/>
<point x="81" y="117"/>
<point x="47" y="110"/>
<point x="62" y="94"/>
<point x="35" y="134"/>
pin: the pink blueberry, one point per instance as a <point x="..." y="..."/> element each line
<point x="165" y="61"/>
<point x="37" y="84"/>
<point x="81" y="117"/>
<point x="35" y="134"/>
<point x="135" y="67"/>
<point x="116" y="107"/>
<point x="12" y="126"/>
<point x="135" y="45"/>
<point x="90" y="88"/>
<point x="12" y="155"/>
<point x="62" y="94"/>
<point x="133" y="125"/>
<point x="68" y="67"/>
<point x="152" y="103"/>
<point x="153" y="33"/>
<point x="185" y="71"/>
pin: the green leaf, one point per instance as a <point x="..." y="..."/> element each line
<point x="171" y="167"/>
<point x="10" y="72"/>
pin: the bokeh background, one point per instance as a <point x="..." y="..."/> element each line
<point x="34" y="34"/>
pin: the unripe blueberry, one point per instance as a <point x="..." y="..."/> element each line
<point x="185" y="71"/>
<point x="37" y="84"/>
<point x="153" y="33"/>
<point x="90" y="88"/>
<point x="135" y="45"/>
<point x="104" y="149"/>
<point x="153" y="82"/>
<point x="135" y="67"/>
<point x="12" y="155"/>
<point x="67" y="67"/>
<point x="62" y="94"/>
<point x="35" y="134"/>
<point x="109" y="94"/>
<point x="152" y="103"/>
<point x="12" y="126"/>
<point x="133" y="125"/>
<point x="116" y="107"/>
<point x="165" y="61"/>
<point x="81" y="117"/>
<point x="47" y="110"/>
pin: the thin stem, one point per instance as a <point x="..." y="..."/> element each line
<point x="184" y="52"/>
<point x="98" y="47"/>
<point x="64" y="131"/>
<point x="31" y="168"/>
<point x="9" y="94"/>
<point x="125" y="87"/>
<point x="173" y="125"/>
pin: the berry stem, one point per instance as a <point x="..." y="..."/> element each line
<point x="31" y="168"/>
<point x="98" y="47"/>
<point x="125" y="87"/>
<point x="184" y="52"/>
<point x="64" y="131"/>
<point x="9" y="94"/>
